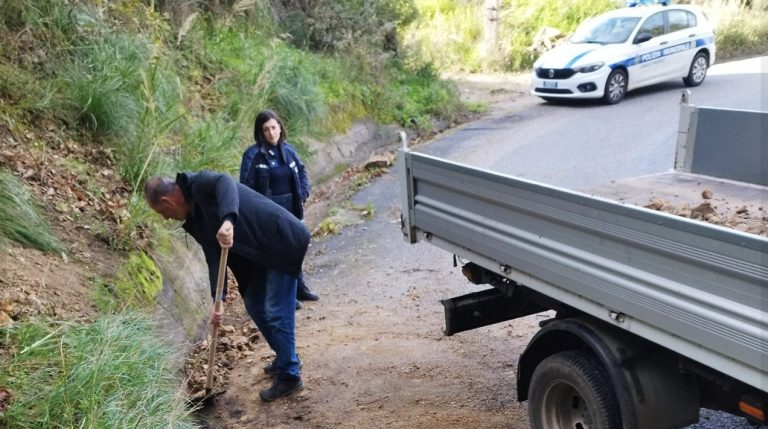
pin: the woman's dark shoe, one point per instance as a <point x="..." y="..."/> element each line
<point x="271" y="368"/>
<point x="304" y="294"/>
<point x="281" y="388"/>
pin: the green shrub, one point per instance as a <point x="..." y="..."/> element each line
<point x="147" y="148"/>
<point x="742" y="34"/>
<point x="344" y="26"/>
<point x="103" y="80"/>
<point x="236" y="60"/>
<point x="346" y="99"/>
<point x="24" y="92"/>
<point x="414" y="97"/>
<point x="49" y="22"/>
<point x="212" y="144"/>
<point x="20" y="219"/>
<point x="293" y="89"/>
<point x="114" y="373"/>
<point x="251" y="74"/>
<point x="447" y="34"/>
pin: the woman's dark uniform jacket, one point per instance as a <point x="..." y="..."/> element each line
<point x="264" y="233"/>
<point x="254" y="173"/>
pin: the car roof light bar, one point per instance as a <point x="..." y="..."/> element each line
<point x="633" y="3"/>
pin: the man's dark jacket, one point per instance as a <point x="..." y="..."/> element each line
<point x="264" y="232"/>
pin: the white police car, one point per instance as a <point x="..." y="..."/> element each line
<point x="625" y="49"/>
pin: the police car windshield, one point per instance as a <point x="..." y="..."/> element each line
<point x="605" y="30"/>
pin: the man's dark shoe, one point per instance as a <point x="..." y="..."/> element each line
<point x="271" y="368"/>
<point x="281" y="388"/>
<point x="304" y="294"/>
<point x="298" y="305"/>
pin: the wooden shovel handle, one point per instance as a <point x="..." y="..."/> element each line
<point x="218" y="305"/>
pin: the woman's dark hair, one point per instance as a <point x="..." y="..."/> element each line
<point x="261" y="119"/>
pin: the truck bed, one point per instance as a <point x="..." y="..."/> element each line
<point x="695" y="288"/>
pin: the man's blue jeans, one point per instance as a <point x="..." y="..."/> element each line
<point x="272" y="306"/>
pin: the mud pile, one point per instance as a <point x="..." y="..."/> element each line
<point x="751" y="219"/>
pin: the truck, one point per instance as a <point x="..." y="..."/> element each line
<point x="654" y="315"/>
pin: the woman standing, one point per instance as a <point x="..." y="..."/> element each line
<point x="272" y="168"/>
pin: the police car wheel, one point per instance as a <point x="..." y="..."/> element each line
<point x="615" y="87"/>
<point x="698" y="70"/>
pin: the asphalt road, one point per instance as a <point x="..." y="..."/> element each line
<point x="583" y="144"/>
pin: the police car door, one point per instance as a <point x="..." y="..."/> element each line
<point x="682" y="41"/>
<point x="649" y="62"/>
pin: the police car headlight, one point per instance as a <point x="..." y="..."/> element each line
<point x="589" y="68"/>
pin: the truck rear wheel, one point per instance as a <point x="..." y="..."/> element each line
<point x="571" y="390"/>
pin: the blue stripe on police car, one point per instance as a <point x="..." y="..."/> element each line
<point x="577" y="57"/>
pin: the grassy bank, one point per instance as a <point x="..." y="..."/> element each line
<point x="166" y="96"/>
<point x="740" y="26"/>
<point x="113" y="373"/>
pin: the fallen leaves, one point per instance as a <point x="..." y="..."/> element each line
<point x="234" y="344"/>
<point x="5" y="320"/>
<point x="72" y="178"/>
<point x="5" y="399"/>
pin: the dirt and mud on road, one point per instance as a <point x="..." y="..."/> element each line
<point x="373" y="350"/>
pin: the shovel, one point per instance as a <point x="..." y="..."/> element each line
<point x="218" y="305"/>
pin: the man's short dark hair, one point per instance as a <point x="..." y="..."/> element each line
<point x="157" y="187"/>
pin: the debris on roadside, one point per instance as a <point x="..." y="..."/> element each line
<point x="5" y="399"/>
<point x="235" y="344"/>
<point x="381" y="160"/>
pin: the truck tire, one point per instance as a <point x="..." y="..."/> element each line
<point x="571" y="390"/>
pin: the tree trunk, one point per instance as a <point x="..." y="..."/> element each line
<point x="490" y="29"/>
